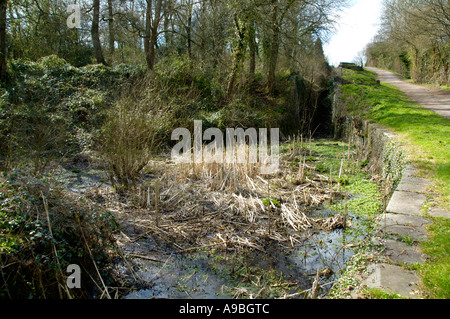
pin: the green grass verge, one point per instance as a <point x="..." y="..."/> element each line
<point x="425" y="135"/>
<point x="445" y="87"/>
<point x="436" y="272"/>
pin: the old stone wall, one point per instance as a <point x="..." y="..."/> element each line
<point x="402" y="226"/>
<point x="377" y="148"/>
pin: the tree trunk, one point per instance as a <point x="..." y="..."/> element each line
<point x="253" y="50"/>
<point x="148" y="31"/>
<point x="189" y="29"/>
<point x="3" y="6"/>
<point x="151" y="32"/>
<point x="274" y="46"/>
<point x="95" y="34"/>
<point x="239" y="55"/>
<point x="152" y="52"/>
<point x="167" y="22"/>
<point x="111" y="30"/>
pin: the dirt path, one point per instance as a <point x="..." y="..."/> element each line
<point x="435" y="99"/>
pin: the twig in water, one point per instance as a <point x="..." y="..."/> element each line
<point x="315" y="286"/>
<point x="157" y="201"/>
<point x="54" y="247"/>
<point x="305" y="291"/>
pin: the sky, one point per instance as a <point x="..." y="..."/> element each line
<point x="355" y="28"/>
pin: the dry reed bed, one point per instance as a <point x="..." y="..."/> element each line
<point x="230" y="206"/>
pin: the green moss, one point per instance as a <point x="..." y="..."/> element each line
<point x="382" y="294"/>
<point x="271" y="201"/>
<point x="366" y="200"/>
<point x="321" y="168"/>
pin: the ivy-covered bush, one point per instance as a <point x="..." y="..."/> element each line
<point x="48" y="102"/>
<point x="43" y="230"/>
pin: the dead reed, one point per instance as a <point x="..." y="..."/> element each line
<point x="230" y="205"/>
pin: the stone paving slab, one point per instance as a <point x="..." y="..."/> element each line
<point x="403" y="225"/>
<point x="439" y="212"/>
<point x="401" y="228"/>
<point x="403" y="218"/>
<point x="402" y="253"/>
<point x="393" y="278"/>
<point x="409" y="171"/>
<point x="407" y="203"/>
<point x="413" y="184"/>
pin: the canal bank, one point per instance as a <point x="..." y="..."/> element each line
<point x="403" y="227"/>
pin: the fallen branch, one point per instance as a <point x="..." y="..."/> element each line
<point x="297" y="294"/>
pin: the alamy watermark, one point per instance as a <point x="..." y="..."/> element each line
<point x="74" y="279"/>
<point x="74" y="19"/>
<point x="238" y="146"/>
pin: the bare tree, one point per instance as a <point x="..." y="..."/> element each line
<point x="274" y="44"/>
<point x="253" y="49"/>
<point x="95" y="33"/>
<point x="154" y="15"/>
<point x="414" y="40"/>
<point x="111" y="30"/>
<point x="239" y="53"/>
<point x="3" y="7"/>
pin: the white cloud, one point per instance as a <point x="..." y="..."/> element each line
<point x="356" y="27"/>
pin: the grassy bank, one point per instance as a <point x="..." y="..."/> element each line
<point x="425" y="137"/>
<point x="424" y="132"/>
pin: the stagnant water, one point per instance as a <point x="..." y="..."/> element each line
<point x="165" y="274"/>
<point x="200" y="276"/>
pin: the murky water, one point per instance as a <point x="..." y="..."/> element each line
<point x="81" y="179"/>
<point x="164" y="274"/>
<point x="198" y="276"/>
<point x="180" y="277"/>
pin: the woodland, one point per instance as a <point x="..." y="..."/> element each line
<point x="88" y="105"/>
<point x="414" y="41"/>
